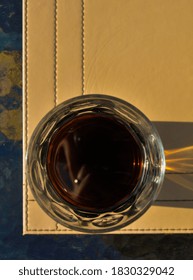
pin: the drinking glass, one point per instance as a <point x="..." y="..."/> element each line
<point x="132" y="132"/>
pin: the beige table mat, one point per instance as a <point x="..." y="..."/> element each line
<point x="140" y="51"/>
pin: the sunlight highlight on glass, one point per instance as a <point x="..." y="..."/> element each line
<point x="179" y="160"/>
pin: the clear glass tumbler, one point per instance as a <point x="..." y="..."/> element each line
<point x="95" y="163"/>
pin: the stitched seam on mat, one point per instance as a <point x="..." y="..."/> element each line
<point x="145" y="229"/>
<point x="26" y="107"/>
<point x="125" y="230"/>
<point x="157" y="229"/>
<point x="148" y="229"/>
<point x="83" y="46"/>
<point x="55" y="64"/>
<point x="48" y="230"/>
<point x="55" y="51"/>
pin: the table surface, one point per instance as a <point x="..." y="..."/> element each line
<point x="12" y="244"/>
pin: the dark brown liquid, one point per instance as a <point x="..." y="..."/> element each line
<point x="94" y="162"/>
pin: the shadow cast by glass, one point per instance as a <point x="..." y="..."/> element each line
<point x="177" y="138"/>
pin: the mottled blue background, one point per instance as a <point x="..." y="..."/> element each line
<point x="12" y="244"/>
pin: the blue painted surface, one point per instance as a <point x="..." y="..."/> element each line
<point x="14" y="101"/>
<point x="10" y="25"/>
<point x="15" y="246"/>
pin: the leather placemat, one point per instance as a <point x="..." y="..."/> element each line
<point x="140" y="51"/>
